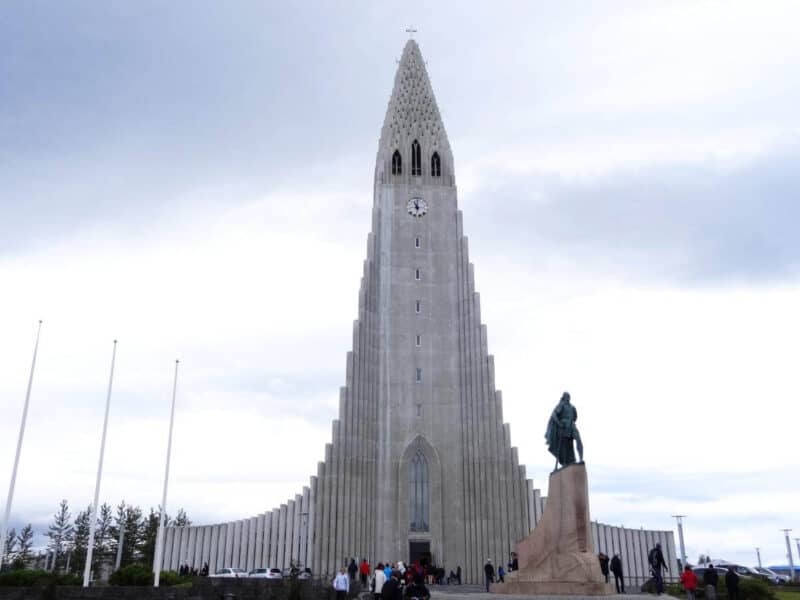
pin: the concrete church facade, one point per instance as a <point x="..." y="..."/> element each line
<point x="420" y="463"/>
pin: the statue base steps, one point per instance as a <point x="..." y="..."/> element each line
<point x="558" y="557"/>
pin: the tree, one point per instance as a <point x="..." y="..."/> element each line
<point x="181" y="520"/>
<point x="129" y="519"/>
<point x="80" y="540"/>
<point x="102" y="533"/>
<point x="11" y="543"/>
<point x="60" y="532"/>
<point x="25" y="542"/>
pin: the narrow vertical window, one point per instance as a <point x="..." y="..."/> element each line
<point x="416" y="243"/>
<point x="419" y="375"/>
<point x="419" y="341"/>
<point x="397" y="163"/>
<point x="418" y="491"/>
<point x="418" y="306"/>
<point x="416" y="158"/>
<point x="436" y="165"/>
<point x="416" y="275"/>
<point x="419" y="410"/>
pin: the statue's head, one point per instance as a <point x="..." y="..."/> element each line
<point x="565" y="397"/>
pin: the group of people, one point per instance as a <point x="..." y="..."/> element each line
<point x="710" y="581"/>
<point x="392" y="581"/>
<point x="613" y="565"/>
<point x="187" y="570"/>
<point x="490" y="574"/>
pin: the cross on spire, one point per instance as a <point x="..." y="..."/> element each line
<point x="410" y="30"/>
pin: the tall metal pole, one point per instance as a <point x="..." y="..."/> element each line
<point x="10" y="497"/>
<point x="789" y="553"/>
<point x="758" y="554"/>
<point x="160" y="535"/>
<point x="119" y="546"/>
<point x="87" y="568"/>
<point x="679" y="519"/>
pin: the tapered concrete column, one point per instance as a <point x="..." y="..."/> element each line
<point x="318" y="541"/>
<point x="258" y="557"/>
<point x="287" y="550"/>
<point x="213" y="549"/>
<point x="281" y="556"/>
<point x="169" y="535"/>
<point x="267" y="533"/>
<point x="228" y="562"/>
<point x="273" y="538"/>
<point x="252" y="531"/>
<point x="312" y="514"/>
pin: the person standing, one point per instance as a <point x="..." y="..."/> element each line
<point x="417" y="590"/>
<point x="341" y="584"/>
<point x="352" y="569"/>
<point x="616" y="569"/>
<point x="689" y="581"/>
<point x="391" y="589"/>
<point x="501" y="574"/>
<point x="710" y="580"/>
<point x="488" y="571"/>
<point x="603" y="564"/>
<point x="363" y="570"/>
<point x="378" y="579"/>
<point x="732" y="583"/>
<point x="514" y="564"/>
<point x="656" y="560"/>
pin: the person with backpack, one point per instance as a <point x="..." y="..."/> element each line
<point x="689" y="581"/>
<point x="603" y="558"/>
<point x="616" y="569"/>
<point x="657" y="563"/>
<point x="732" y="583"/>
<point x="710" y="579"/>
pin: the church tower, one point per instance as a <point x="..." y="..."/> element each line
<point x="449" y="484"/>
<point x="420" y="464"/>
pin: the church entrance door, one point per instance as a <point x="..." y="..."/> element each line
<point x="419" y="550"/>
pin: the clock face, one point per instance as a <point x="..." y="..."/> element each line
<point x="417" y="207"/>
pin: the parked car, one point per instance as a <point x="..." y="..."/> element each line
<point x="230" y="572"/>
<point x="743" y="571"/>
<point x="701" y="571"/>
<point x="771" y="575"/>
<point x="266" y="573"/>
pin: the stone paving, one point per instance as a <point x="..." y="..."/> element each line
<point x="476" y="592"/>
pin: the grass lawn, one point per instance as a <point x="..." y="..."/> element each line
<point x="787" y="595"/>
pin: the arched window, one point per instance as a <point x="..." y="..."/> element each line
<point x="418" y="491"/>
<point x="397" y="163"/>
<point x="416" y="158"/>
<point x="436" y="165"/>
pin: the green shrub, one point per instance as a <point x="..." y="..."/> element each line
<point x="170" y="578"/>
<point x="36" y="578"/>
<point x="132" y="575"/>
<point x="755" y="589"/>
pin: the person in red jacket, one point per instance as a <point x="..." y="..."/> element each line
<point x="689" y="581"/>
<point x="363" y="570"/>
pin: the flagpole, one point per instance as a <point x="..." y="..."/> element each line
<point x="10" y="497"/>
<point x="87" y="568"/>
<point x="160" y="535"/>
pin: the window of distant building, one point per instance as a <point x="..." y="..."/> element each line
<point x="397" y="163"/>
<point x="418" y="492"/>
<point x="436" y="165"/>
<point x="416" y="158"/>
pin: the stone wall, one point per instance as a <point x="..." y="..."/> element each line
<point x="202" y="589"/>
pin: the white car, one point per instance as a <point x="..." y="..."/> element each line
<point x="266" y="574"/>
<point x="771" y="575"/>
<point x="230" y="572"/>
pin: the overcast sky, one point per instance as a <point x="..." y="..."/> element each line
<point x="195" y="179"/>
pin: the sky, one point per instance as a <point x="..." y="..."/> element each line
<point x="195" y="180"/>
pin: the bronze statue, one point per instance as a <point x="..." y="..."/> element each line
<point x="561" y="432"/>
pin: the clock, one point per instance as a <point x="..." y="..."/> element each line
<point x="417" y="207"/>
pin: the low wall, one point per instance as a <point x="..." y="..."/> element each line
<point x="210" y="588"/>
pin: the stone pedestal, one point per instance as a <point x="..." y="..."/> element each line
<point x="558" y="556"/>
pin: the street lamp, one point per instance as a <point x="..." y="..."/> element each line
<point x="679" y="519"/>
<point x="789" y="553"/>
